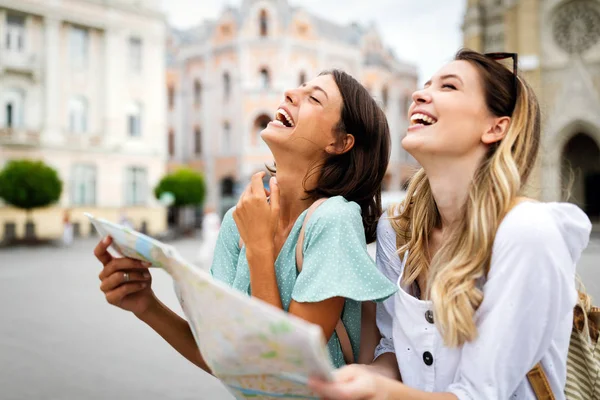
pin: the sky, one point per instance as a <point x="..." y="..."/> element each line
<point x="425" y="33"/>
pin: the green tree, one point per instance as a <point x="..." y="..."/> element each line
<point x="186" y="185"/>
<point x="29" y="184"/>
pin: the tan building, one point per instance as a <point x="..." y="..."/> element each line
<point x="82" y="87"/>
<point x="558" y="42"/>
<point x="227" y="77"/>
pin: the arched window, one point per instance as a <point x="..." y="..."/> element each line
<point x="265" y="79"/>
<point x="134" y="120"/>
<point x="302" y="78"/>
<point x="13" y="102"/>
<point x="197" y="92"/>
<point x="260" y="123"/>
<point x="78" y="110"/>
<point x="226" y="85"/>
<point x="264" y="24"/>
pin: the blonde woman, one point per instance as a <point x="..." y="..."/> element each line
<point x="486" y="278"/>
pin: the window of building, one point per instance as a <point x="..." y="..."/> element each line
<point x="226" y="138"/>
<point x="135" y="54"/>
<point x="302" y="78"/>
<point x="264" y="24"/>
<point x="226" y="85"/>
<point x="83" y="185"/>
<point x="384" y="96"/>
<point x="265" y="79"/>
<point x="406" y="105"/>
<point x="78" y="115"/>
<point x="171" y="97"/>
<point x="136" y="186"/>
<point x="134" y="120"/>
<point x="197" y="93"/>
<point x="15" y="33"/>
<point x="171" y="144"/>
<point x="260" y="123"/>
<point x="13" y="101"/>
<point x="78" y="45"/>
<point x="197" y="141"/>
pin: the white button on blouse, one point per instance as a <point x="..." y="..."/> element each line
<point x="526" y="315"/>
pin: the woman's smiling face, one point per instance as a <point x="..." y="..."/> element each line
<point x="305" y="123"/>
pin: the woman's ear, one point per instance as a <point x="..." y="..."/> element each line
<point x="497" y="131"/>
<point x="342" y="146"/>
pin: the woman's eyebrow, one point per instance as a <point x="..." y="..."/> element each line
<point x="319" y="88"/>
<point x="452" y="76"/>
<point x="445" y="77"/>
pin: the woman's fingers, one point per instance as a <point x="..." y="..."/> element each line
<point x="351" y="383"/>
<point x="115" y="297"/>
<point x="258" y="188"/>
<point x="120" y="264"/>
<point x="101" y="250"/>
<point x="122" y="277"/>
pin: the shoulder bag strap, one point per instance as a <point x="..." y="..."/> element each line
<point x="340" y="329"/>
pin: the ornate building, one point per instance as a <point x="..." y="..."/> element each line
<point x="558" y="42"/>
<point x="226" y="78"/>
<point x="82" y="87"/>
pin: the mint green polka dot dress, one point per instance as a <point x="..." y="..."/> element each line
<point x="336" y="264"/>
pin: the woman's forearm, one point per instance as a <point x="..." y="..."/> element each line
<point x="398" y="391"/>
<point x="263" y="281"/>
<point x="387" y="365"/>
<point x="176" y="331"/>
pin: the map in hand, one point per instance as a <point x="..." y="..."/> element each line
<point x="256" y="350"/>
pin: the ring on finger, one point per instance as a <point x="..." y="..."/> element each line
<point x="126" y="277"/>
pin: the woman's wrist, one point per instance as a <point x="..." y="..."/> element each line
<point x="151" y="311"/>
<point x="264" y="250"/>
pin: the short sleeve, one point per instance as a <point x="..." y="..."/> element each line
<point x="336" y="262"/>
<point x="227" y="251"/>
<point x="529" y="292"/>
<point x="390" y="265"/>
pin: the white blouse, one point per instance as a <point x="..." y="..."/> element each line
<point x="526" y="314"/>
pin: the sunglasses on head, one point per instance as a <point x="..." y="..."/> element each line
<point x="515" y="58"/>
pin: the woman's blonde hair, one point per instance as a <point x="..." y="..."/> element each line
<point x="464" y="258"/>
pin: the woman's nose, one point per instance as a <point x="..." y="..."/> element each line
<point x="291" y="96"/>
<point x="421" y="96"/>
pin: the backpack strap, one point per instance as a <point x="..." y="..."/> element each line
<point x="340" y="329"/>
<point x="539" y="383"/>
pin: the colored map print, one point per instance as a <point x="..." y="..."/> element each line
<point x="258" y="351"/>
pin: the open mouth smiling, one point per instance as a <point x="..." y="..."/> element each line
<point x="283" y="119"/>
<point x="421" y="119"/>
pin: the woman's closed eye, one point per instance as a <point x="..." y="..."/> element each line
<point x="315" y="99"/>
<point x="448" y="86"/>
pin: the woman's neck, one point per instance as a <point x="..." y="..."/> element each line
<point x="292" y="197"/>
<point x="450" y="183"/>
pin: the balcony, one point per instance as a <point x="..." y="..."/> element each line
<point x="20" y="137"/>
<point x="21" y="62"/>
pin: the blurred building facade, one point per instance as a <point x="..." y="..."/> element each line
<point x="558" y="42"/>
<point x="82" y="87"/>
<point x="227" y="77"/>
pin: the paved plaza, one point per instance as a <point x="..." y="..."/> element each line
<point x="59" y="339"/>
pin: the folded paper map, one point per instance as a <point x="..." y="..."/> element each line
<point x="258" y="351"/>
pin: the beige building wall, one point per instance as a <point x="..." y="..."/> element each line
<point x="114" y="73"/>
